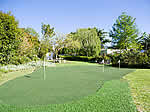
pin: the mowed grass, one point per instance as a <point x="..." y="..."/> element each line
<point x="139" y="82"/>
<point x="67" y="89"/>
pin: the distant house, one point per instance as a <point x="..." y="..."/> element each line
<point x="109" y="51"/>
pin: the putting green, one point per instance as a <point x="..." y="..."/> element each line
<point x="62" y="84"/>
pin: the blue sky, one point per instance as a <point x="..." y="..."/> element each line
<point x="68" y="15"/>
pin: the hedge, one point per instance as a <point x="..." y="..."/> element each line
<point x="82" y="58"/>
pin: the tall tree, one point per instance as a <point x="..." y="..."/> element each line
<point x="9" y="37"/>
<point x="47" y="34"/>
<point x="144" y="40"/>
<point x="90" y="42"/>
<point x="124" y="32"/>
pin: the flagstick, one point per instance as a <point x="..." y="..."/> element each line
<point x="119" y="64"/>
<point x="44" y="69"/>
<point x="103" y="67"/>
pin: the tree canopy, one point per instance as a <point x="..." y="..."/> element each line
<point x="124" y="32"/>
<point x="9" y="37"/>
<point x="102" y="36"/>
<point x="32" y="32"/>
<point x="47" y="34"/>
<point x="90" y="44"/>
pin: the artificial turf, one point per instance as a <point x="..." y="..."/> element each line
<point x="68" y="88"/>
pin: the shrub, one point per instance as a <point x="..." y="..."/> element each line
<point x="24" y="59"/>
<point x="131" y="58"/>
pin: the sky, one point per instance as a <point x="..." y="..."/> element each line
<point x="68" y="15"/>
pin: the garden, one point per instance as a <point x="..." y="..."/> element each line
<point x="56" y="72"/>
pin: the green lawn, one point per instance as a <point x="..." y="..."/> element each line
<point x="139" y="82"/>
<point x="69" y="87"/>
<point x="4" y="77"/>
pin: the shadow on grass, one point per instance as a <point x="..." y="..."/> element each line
<point x="27" y="76"/>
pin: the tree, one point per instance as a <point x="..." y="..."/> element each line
<point x="34" y="37"/>
<point x="144" y="40"/>
<point x="47" y="33"/>
<point x="9" y="37"/>
<point x="89" y="41"/>
<point x="124" y="32"/>
<point x="31" y="31"/>
<point x="102" y="36"/>
<point x="29" y="46"/>
<point x="61" y="41"/>
<point x="73" y="43"/>
<point x="148" y="42"/>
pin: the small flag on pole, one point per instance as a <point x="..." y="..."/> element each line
<point x="119" y="61"/>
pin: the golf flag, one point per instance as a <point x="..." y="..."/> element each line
<point x="119" y="61"/>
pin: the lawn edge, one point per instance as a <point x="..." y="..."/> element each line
<point x="13" y="75"/>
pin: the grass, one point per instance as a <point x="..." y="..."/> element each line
<point x="4" y="77"/>
<point x="140" y="87"/>
<point x="68" y="88"/>
<point x="113" y="97"/>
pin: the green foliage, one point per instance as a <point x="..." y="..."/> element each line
<point x="29" y="47"/>
<point x="9" y="37"/>
<point x="32" y="32"/>
<point x="44" y="48"/>
<point x="102" y="36"/>
<point x="65" y="42"/>
<point x="1" y="72"/>
<point x="78" y="58"/>
<point x="124" y="33"/>
<point x="16" y="60"/>
<point x="47" y="33"/>
<point x="34" y="38"/>
<point x="90" y="44"/>
<point x="144" y="40"/>
<point x="131" y="58"/>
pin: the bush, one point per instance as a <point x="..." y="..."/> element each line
<point x="15" y="60"/>
<point x="131" y="59"/>
<point x="3" y="71"/>
<point x="24" y="59"/>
